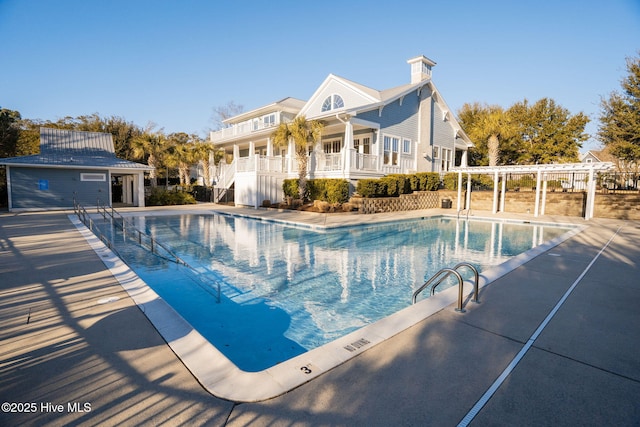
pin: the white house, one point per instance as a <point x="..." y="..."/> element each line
<point x="367" y="134"/>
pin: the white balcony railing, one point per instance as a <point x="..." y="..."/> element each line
<point x="330" y="162"/>
<point x="243" y="128"/>
<point x="368" y="162"/>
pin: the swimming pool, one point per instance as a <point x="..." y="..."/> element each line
<point x="288" y="289"/>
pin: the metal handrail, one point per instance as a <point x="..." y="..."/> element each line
<point x="476" y="279"/>
<point x="82" y="214"/>
<point x="463" y="210"/>
<point x="440" y="277"/>
<point x="153" y="243"/>
<point x="448" y="271"/>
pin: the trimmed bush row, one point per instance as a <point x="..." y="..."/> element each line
<point x="161" y="197"/>
<point x="396" y="184"/>
<point x="325" y="189"/>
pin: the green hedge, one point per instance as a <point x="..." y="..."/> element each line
<point x="396" y="184"/>
<point x="325" y="189"/>
<point x="161" y="197"/>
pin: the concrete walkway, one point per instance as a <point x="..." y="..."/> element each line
<point x="70" y="336"/>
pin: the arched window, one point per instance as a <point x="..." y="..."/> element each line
<point x="332" y="102"/>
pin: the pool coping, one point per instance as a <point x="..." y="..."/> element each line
<point x="218" y="375"/>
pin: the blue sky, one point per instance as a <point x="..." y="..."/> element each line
<point x="172" y="62"/>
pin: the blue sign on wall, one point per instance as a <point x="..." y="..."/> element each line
<point x="43" y="184"/>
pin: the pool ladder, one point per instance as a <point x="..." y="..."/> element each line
<point x="441" y="275"/>
<point x="462" y="212"/>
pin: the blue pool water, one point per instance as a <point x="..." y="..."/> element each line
<point x="285" y="290"/>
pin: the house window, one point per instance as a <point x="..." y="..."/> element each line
<point x="269" y="120"/>
<point x="333" y="146"/>
<point x="406" y="146"/>
<point x="446" y="160"/>
<point x="436" y="152"/>
<point x="391" y="147"/>
<point x="365" y="142"/>
<point x="332" y="102"/>
<point x="101" y="177"/>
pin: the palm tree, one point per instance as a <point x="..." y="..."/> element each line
<point x="488" y="123"/>
<point x="151" y="145"/>
<point x="181" y="155"/>
<point x="202" y="153"/>
<point x="303" y="133"/>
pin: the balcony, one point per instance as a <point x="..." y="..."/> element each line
<point x="244" y="128"/>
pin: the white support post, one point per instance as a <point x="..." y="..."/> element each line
<point x="591" y="194"/>
<point x="291" y="153"/>
<point x="544" y="194"/>
<point x="468" y="202"/>
<point x="495" y="192"/>
<point x="503" y="194"/>
<point x="537" y="209"/>
<point x="269" y="147"/>
<point x="347" y="147"/>
<point x="459" y="201"/>
<point x="140" y="196"/>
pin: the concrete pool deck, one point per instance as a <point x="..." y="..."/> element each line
<point x="70" y="335"/>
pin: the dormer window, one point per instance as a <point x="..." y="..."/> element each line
<point x="332" y="102"/>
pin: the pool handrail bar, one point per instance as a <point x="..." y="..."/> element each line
<point x="441" y="277"/>
<point x="84" y="217"/>
<point x="462" y="211"/>
<point x="153" y="242"/>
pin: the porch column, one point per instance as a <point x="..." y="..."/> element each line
<point x="538" y="180"/>
<point x="252" y="148"/>
<point x="495" y="192"/>
<point x="459" y="203"/>
<point x="140" y="192"/>
<point x="463" y="159"/>
<point x="269" y="148"/>
<point x="236" y="152"/>
<point x="347" y="147"/>
<point x="290" y="155"/>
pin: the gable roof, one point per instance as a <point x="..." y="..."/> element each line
<point x="359" y="94"/>
<point x="70" y="149"/>
<point x="288" y="104"/>
<point x="370" y="98"/>
<point x="600" y="155"/>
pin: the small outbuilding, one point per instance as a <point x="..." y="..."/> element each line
<point x="73" y="164"/>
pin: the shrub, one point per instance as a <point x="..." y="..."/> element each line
<point x="396" y="184"/>
<point x="367" y="187"/>
<point x="428" y="181"/>
<point x="290" y="188"/>
<point x="161" y="197"/>
<point x="328" y="190"/>
<point x="402" y="183"/>
<point x="482" y="182"/>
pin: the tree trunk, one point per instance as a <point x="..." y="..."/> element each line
<point x="302" y="175"/>
<point x="152" y="174"/>
<point x="493" y="150"/>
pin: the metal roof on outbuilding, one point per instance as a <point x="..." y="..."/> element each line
<point x="60" y="148"/>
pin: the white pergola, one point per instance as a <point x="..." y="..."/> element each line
<point x="541" y="172"/>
